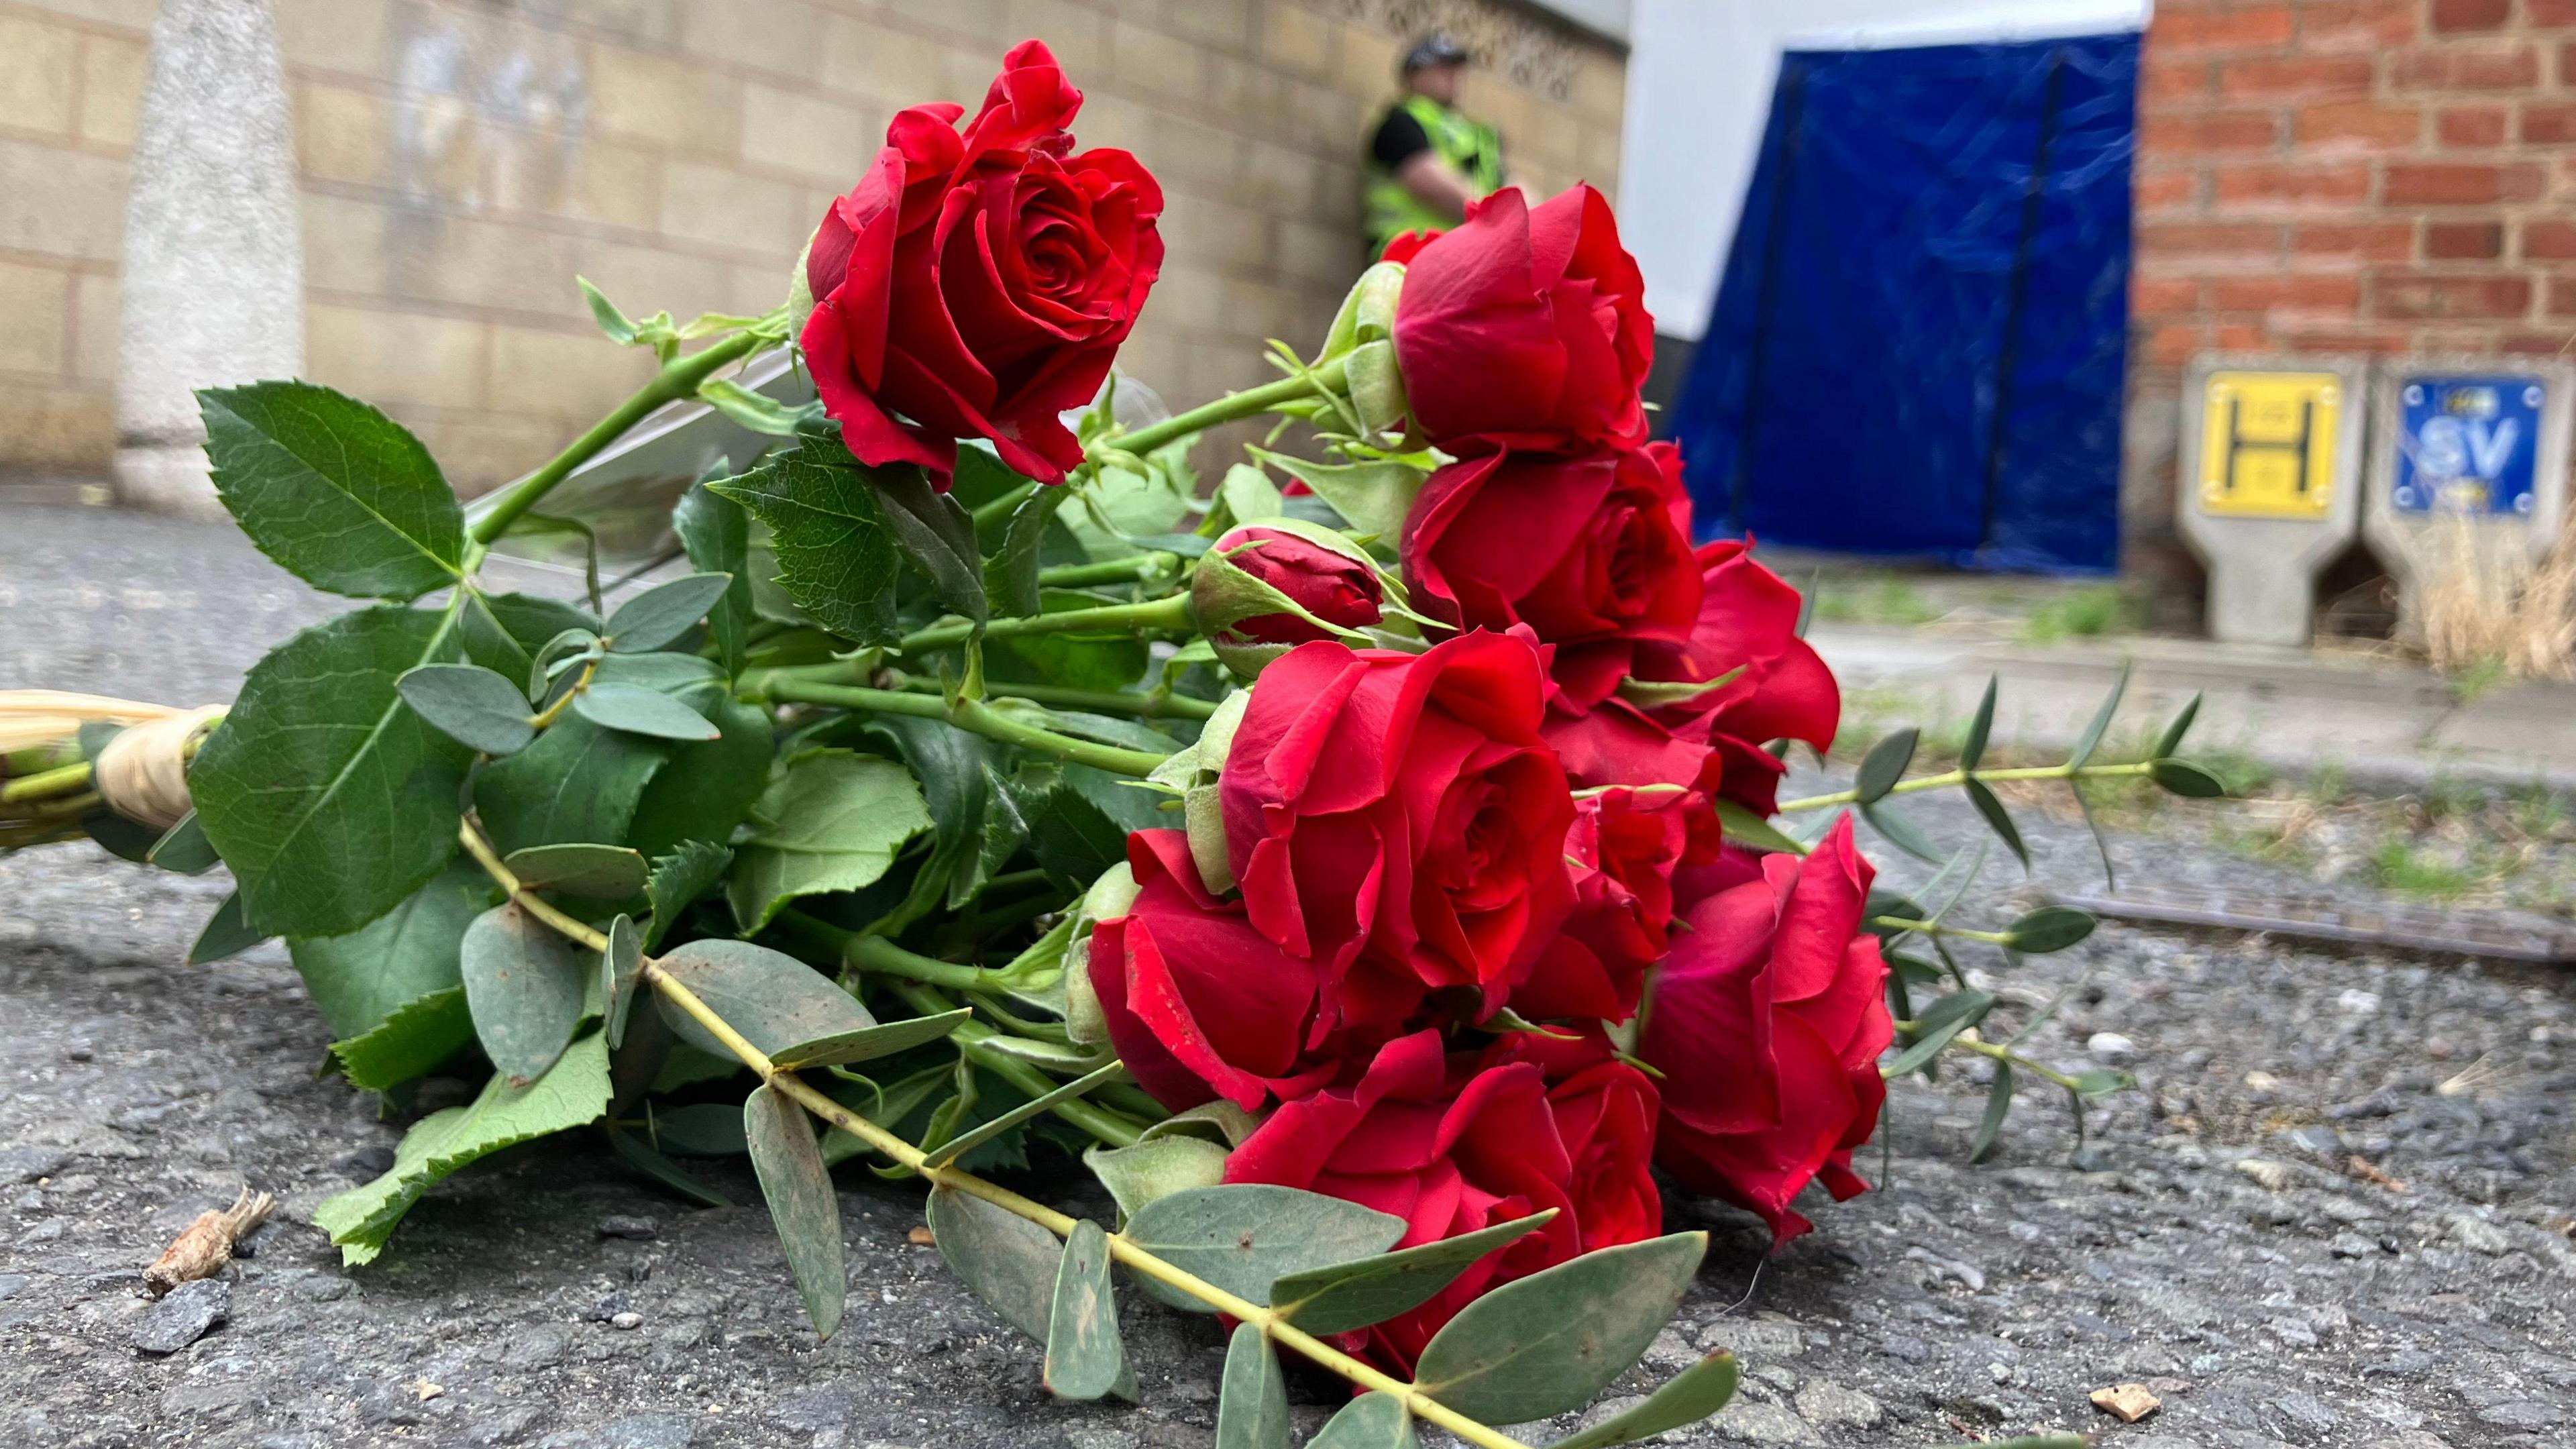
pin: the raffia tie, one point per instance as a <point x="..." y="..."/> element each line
<point x="142" y="774"/>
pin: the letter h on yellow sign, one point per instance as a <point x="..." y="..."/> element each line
<point x="2267" y="443"/>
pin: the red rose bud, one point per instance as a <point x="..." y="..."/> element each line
<point x="1405" y="804"/>
<point x="1767" y="1022"/>
<point x="1525" y="327"/>
<point x="976" y="284"/>
<point x="1591" y="550"/>
<point x="1452" y="1144"/>
<point x="1265" y="588"/>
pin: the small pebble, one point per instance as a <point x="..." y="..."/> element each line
<point x="626" y="1321"/>
<point x="640" y="1229"/>
<point x="183" y="1317"/>
<point x="2112" y="1047"/>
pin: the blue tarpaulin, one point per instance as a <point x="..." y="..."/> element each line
<point x="1918" y="342"/>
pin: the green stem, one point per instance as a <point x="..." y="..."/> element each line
<point x="878" y="956"/>
<point x="1935" y="928"/>
<point x="679" y="378"/>
<point x="985" y="1131"/>
<point x="69" y="779"/>
<point x="1986" y="1048"/>
<point x="1169" y="612"/>
<point x="1961" y="777"/>
<point x="1226" y="409"/>
<point x="1111" y="571"/>
<point x="972" y="716"/>
<point x="1097" y="701"/>
<point x="971" y="1039"/>
<point x="1000" y="508"/>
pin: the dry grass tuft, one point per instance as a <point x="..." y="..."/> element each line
<point x="2487" y="611"/>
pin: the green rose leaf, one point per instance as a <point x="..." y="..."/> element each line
<point x="1545" y="1344"/>
<point x="837" y="559"/>
<point x="581" y="868"/>
<point x="1011" y="574"/>
<point x="1072" y="659"/>
<point x="359" y="980"/>
<point x="410" y="1042"/>
<point x="1241" y="1237"/>
<point x="773" y="999"/>
<point x="833" y="821"/>
<point x="579" y="782"/>
<point x="470" y="705"/>
<point x="690" y="870"/>
<point x="802" y="1205"/>
<point x="574" y="1091"/>
<point x="333" y="489"/>
<point x="526" y="987"/>
<point x="327" y="795"/>
<point x="664" y="612"/>
<point x="1085" y="1357"/>
<point x="1375" y="497"/>
<point x="1684" y="1399"/>
<point x="225" y="934"/>
<point x="1252" y="1405"/>
<point x="184" y="849"/>
<point x="937" y="535"/>
<point x="503" y="632"/>
<point x="1341" y="1297"/>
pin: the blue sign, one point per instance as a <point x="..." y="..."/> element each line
<point x="2468" y="444"/>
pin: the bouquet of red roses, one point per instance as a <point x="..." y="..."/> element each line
<point x="1366" y="864"/>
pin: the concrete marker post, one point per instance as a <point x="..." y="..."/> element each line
<point x="2269" y="490"/>
<point x="2469" y="457"/>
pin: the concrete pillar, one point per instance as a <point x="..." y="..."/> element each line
<point x="2270" y="486"/>
<point x="213" y="290"/>
<point x="2468" y="473"/>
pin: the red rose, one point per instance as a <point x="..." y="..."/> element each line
<point x="1748" y="622"/>
<point x="1767" y="1022"/>
<point x="1398" y="817"/>
<point x="1199" y="1004"/>
<point x="1591" y="550"/>
<point x="977" y="285"/>
<point x="1524" y="327"/>
<point x="1452" y="1145"/>
<point x="1625" y="846"/>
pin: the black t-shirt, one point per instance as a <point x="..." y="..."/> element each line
<point x="1399" y="139"/>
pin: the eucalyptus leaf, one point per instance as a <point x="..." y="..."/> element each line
<point x="1883" y="766"/>
<point x="1937" y="1025"/>
<point x="329" y="798"/>
<point x="526" y="987"/>
<point x="636" y="710"/>
<point x="1371" y="1421"/>
<point x="470" y="705"/>
<point x="1084" y="1354"/>
<point x="837" y="559"/>
<point x="2050" y="928"/>
<point x="1680" y="1401"/>
<point x="1901" y="831"/>
<point x="802" y="1205"/>
<point x="641" y="1156"/>
<point x="1341" y="1297"/>
<point x="1252" y="1400"/>
<point x="621" y="962"/>
<point x="701" y="1129"/>
<point x="581" y="868"/>
<point x="1742" y="827"/>
<point x="772" y="999"/>
<point x="1242" y="1236"/>
<point x="2171" y="739"/>
<point x="663" y="613"/>
<point x="1006" y="1260"/>
<point x="2101" y="842"/>
<point x="2182" y="777"/>
<point x="1998" y="820"/>
<point x="1157" y="1167"/>
<point x="1999" y="1100"/>
<point x="867" y="1043"/>
<point x="334" y="490"/>
<point x="2091" y="739"/>
<point x="1545" y="1344"/>
<point x="1972" y="751"/>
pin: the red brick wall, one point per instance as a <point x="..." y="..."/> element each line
<point x="2343" y="176"/>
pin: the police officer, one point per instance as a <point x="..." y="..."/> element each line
<point x="1427" y="160"/>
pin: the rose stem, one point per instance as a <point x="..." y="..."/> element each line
<point x="1961" y="777"/>
<point x="973" y="716"/>
<point x="1169" y="612"/>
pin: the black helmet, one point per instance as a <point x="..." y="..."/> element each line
<point x="1437" y="48"/>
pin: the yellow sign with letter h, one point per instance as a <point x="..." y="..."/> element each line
<point x="2267" y="444"/>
